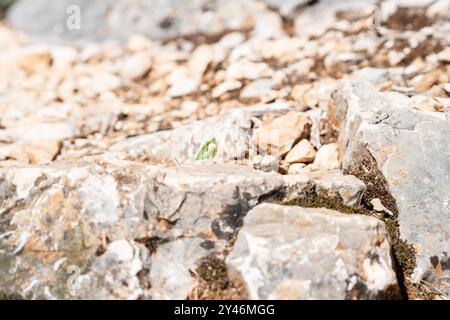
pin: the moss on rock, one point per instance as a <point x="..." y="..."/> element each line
<point x="404" y="253"/>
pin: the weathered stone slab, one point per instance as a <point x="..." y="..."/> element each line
<point x="232" y="132"/>
<point x="93" y="228"/>
<point x="290" y="252"/>
<point x="411" y="150"/>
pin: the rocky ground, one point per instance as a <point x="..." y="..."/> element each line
<point x="332" y="173"/>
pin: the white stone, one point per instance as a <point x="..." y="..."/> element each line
<point x="257" y="90"/>
<point x="136" y="66"/>
<point x="290" y="252"/>
<point x="183" y="87"/>
<point x="139" y="43"/>
<point x="444" y="55"/>
<point x="42" y="131"/>
<point x="63" y="57"/>
<point x="226" y="86"/>
<point x="181" y="83"/>
<point x="327" y="157"/>
<point x="244" y="69"/>
<point x="296" y="168"/>
<point x="199" y="61"/>
<point x="121" y="250"/>
<point x="303" y="152"/>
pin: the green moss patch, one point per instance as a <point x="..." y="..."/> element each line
<point x="404" y="254"/>
<point x="366" y="169"/>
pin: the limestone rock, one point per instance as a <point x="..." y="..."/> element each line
<point x="94" y="228"/>
<point x="181" y="82"/>
<point x="425" y="103"/>
<point x="170" y="274"/>
<point x="136" y="66"/>
<point x="289" y="252"/>
<point x="232" y="132"/>
<point x="183" y="87"/>
<point x="439" y="8"/>
<point x="99" y="198"/>
<point x="279" y="135"/>
<point x="31" y="152"/>
<point x="378" y="76"/>
<point x="410" y="150"/>
<point x="116" y="274"/>
<point x="327" y="158"/>
<point x="9" y="38"/>
<point x="226" y="86"/>
<point x="444" y="55"/>
<point x="34" y="59"/>
<point x="296" y="168"/>
<point x="257" y="90"/>
<point x="199" y="61"/>
<point x="244" y="69"/>
<point x="302" y="152"/>
<point x="34" y="131"/>
<point x="333" y="184"/>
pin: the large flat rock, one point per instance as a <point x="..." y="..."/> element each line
<point x="233" y="130"/>
<point x="411" y="150"/>
<point x="290" y="252"/>
<point x="94" y="228"/>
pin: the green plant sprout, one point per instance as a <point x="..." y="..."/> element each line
<point x="207" y="150"/>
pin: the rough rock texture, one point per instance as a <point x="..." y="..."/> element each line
<point x="328" y="14"/>
<point x="332" y="184"/>
<point x="95" y="136"/>
<point x="411" y="150"/>
<point x="233" y="132"/>
<point x="289" y="252"/>
<point x="279" y="136"/>
<point x="327" y="157"/>
<point x="76" y="218"/>
<point x="302" y="152"/>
